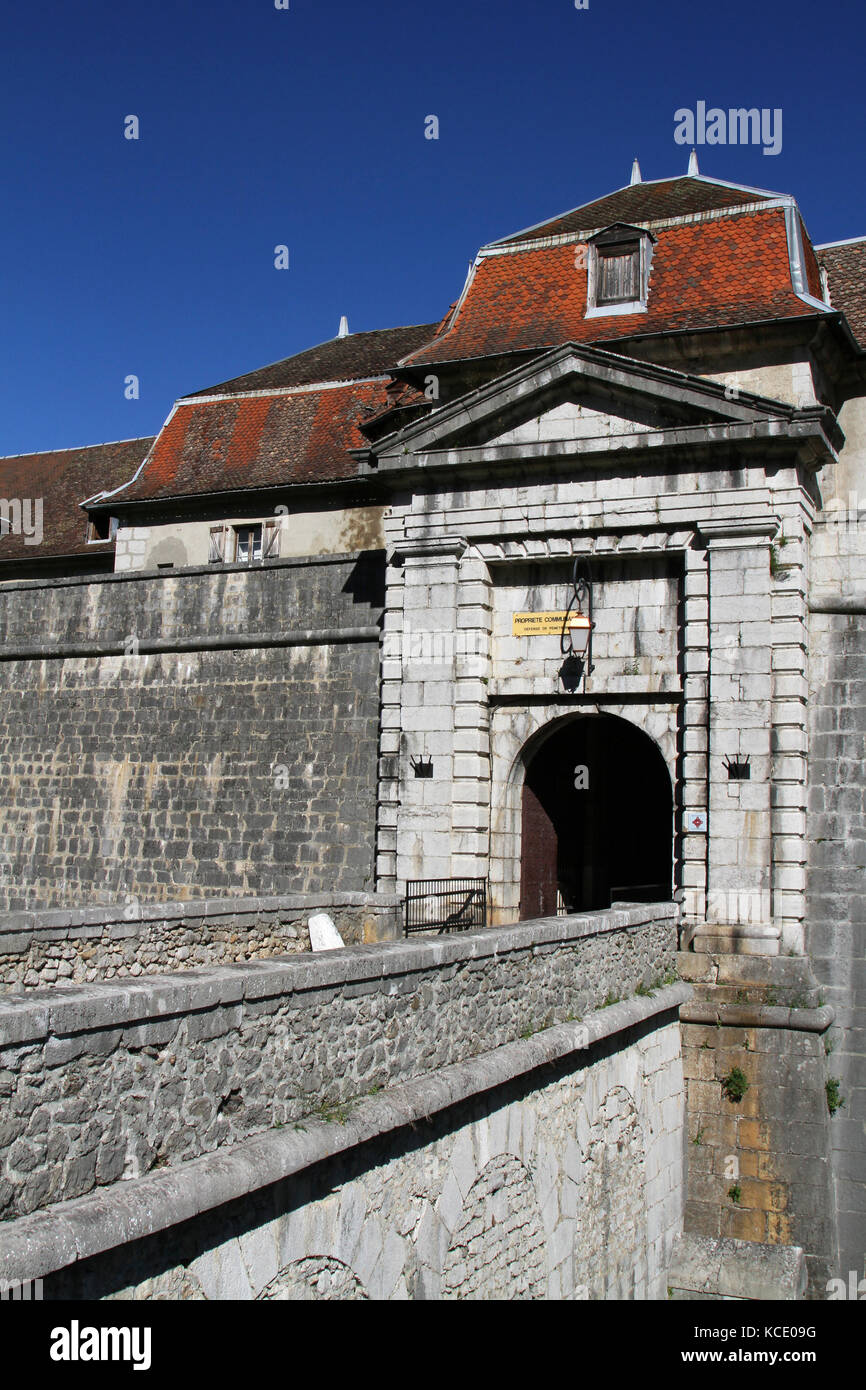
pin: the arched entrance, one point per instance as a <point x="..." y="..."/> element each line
<point x="597" y="821"/>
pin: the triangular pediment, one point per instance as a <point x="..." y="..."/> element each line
<point x="587" y="417"/>
<point x="585" y="398"/>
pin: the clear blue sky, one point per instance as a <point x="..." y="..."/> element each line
<point x="305" y="127"/>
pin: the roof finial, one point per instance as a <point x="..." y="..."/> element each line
<point x="344" y="328"/>
<point x="635" y="173"/>
<point x="693" y="163"/>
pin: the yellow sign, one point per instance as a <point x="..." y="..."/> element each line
<point x="534" y="624"/>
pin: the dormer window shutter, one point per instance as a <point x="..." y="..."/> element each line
<point x="217" y="545"/>
<point x="270" y="540"/>
<point x="618" y="274"/>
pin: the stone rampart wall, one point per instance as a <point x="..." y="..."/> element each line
<point x="191" y="735"/>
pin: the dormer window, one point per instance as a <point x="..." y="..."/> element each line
<point x="618" y="268"/>
<point x="618" y="274"/>
<point x="102" y="528"/>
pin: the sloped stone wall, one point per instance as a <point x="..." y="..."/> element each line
<point x="566" y="1183"/>
<point x="113" y="1080"/>
<point x="495" y="1114"/>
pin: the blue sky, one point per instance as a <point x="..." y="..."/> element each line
<point x="305" y="127"/>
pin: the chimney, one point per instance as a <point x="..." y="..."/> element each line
<point x="693" y="163"/>
<point x="344" y="328"/>
<point x="635" y="173"/>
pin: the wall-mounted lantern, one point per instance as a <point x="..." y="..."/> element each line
<point x="575" y="642"/>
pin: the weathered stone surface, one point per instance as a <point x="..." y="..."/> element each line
<point x="469" y="1202"/>
<point x="704" y="1266"/>
<point x="836" y="922"/>
<point x="140" y="778"/>
<point x="208" y="1071"/>
<point x="83" y="947"/>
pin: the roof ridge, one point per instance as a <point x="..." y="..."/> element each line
<point x="510" y="246"/>
<point x="313" y="347"/>
<point x="305" y="388"/>
<point x="845" y="241"/>
<point x="76" y="448"/>
<point x="626" y="187"/>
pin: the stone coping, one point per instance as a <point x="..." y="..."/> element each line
<point x="760" y="1016"/>
<point x="35" y="1245"/>
<point x="68" y="581"/>
<point x="62" y="922"/>
<point x="150" y="646"/>
<point x="68" y="1009"/>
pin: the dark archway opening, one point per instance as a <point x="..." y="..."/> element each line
<point x="597" y="820"/>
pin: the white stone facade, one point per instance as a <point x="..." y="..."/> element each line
<point x="699" y="540"/>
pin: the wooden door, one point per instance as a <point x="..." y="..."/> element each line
<point x="538" y="856"/>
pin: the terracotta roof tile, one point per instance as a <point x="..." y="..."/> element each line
<point x="846" y="272"/>
<point x="643" y="202"/>
<point x="64" y="478"/>
<point x="259" y="441"/>
<point x="340" y="359"/>
<point x="723" y="271"/>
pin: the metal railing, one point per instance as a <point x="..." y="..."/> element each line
<point x="641" y="893"/>
<point x="445" y="904"/>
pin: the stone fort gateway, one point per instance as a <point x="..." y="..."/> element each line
<point x="432" y="821"/>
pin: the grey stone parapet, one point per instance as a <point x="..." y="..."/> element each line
<point x="720" y="1267"/>
<point x="38" y="1244"/>
<point x="355" y="965"/>
<point x="169" y="1067"/>
<point x="83" y="945"/>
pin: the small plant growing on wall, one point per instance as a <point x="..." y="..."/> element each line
<point x="735" y="1085"/>
<point x="777" y="568"/>
<point x="834" y="1100"/>
<point x="735" y="1193"/>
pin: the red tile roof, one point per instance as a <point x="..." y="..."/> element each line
<point x="64" y="478"/>
<point x="644" y="202"/>
<point x="259" y="441"/>
<point x="722" y="266"/>
<point x="340" y="359"/>
<point x="726" y="270"/>
<point x="845" y="264"/>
